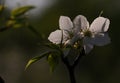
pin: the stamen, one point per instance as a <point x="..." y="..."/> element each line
<point x="87" y="33"/>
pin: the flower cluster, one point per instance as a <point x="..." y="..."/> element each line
<point x="79" y="32"/>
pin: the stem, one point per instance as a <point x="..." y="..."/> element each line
<point x="34" y="31"/>
<point x="72" y="75"/>
<point x="71" y="68"/>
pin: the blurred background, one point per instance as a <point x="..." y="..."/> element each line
<point x="17" y="46"/>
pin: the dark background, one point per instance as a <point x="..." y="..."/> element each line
<point x="102" y="65"/>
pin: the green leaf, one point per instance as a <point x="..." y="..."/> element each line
<point x="53" y="60"/>
<point x="34" y="59"/>
<point x="19" y="25"/>
<point x="51" y="45"/>
<point x="16" y="23"/>
<point x="20" y="11"/>
<point x="10" y="23"/>
<point x="1" y="8"/>
<point x="43" y="54"/>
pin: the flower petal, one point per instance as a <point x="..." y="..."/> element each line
<point x="56" y="36"/>
<point x="101" y="40"/>
<point x="100" y="24"/>
<point x="88" y="48"/>
<point x="65" y="23"/>
<point x="80" y="22"/>
<point x="98" y="39"/>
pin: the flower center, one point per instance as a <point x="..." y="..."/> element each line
<point x="87" y="33"/>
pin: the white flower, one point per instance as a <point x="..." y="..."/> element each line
<point x="95" y="34"/>
<point x="63" y="35"/>
<point x="79" y="30"/>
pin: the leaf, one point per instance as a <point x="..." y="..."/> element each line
<point x="1" y="8"/>
<point x="15" y="24"/>
<point x="53" y="60"/>
<point x="18" y="25"/>
<point x="34" y="59"/>
<point x="10" y="23"/>
<point x="51" y="45"/>
<point x="43" y="54"/>
<point x="20" y="11"/>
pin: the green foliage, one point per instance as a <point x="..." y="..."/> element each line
<point x="51" y="45"/>
<point x="53" y="60"/>
<point x="17" y="22"/>
<point x="20" y="11"/>
<point x="16" y="19"/>
<point x="34" y="59"/>
<point x="46" y="53"/>
<point x="1" y="8"/>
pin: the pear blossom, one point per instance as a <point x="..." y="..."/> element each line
<point x="95" y="34"/>
<point x="67" y="34"/>
<point x="80" y="30"/>
<point x="64" y="33"/>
